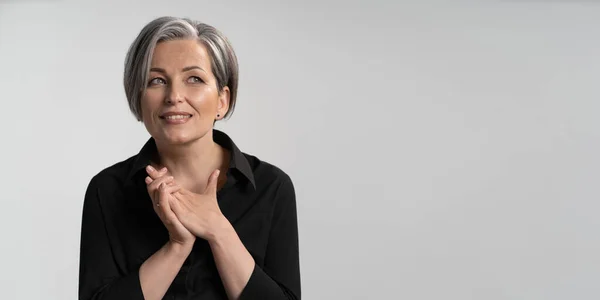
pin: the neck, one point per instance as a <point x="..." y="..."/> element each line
<point x="191" y="163"/>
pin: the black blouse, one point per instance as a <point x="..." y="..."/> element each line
<point x="120" y="230"/>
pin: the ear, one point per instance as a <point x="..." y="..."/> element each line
<point x="223" y="105"/>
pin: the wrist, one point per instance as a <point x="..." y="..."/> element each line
<point x="220" y="229"/>
<point x="179" y="249"/>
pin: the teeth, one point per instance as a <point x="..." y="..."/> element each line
<point x="177" y="117"/>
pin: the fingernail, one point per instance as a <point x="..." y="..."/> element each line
<point x="163" y="169"/>
<point x="149" y="167"/>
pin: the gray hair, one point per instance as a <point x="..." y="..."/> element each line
<point x="224" y="63"/>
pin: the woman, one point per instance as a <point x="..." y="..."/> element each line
<point x="190" y="216"/>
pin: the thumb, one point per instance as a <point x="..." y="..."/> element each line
<point x="211" y="188"/>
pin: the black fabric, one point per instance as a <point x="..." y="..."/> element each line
<point x="120" y="230"/>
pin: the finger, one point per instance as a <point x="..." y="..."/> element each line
<point x="154" y="174"/>
<point x="165" y="189"/>
<point x="211" y="188"/>
<point x="156" y="196"/>
<point x="149" y="180"/>
<point x="150" y="170"/>
<point x="172" y="188"/>
<point x="164" y="211"/>
<point x="170" y="216"/>
<point x="176" y="206"/>
<point x="156" y="183"/>
<point x="163" y="199"/>
<point x="153" y="189"/>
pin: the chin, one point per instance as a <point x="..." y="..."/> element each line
<point x="181" y="138"/>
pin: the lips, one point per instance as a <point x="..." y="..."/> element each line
<point x="175" y="115"/>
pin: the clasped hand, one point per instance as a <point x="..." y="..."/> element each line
<point x="186" y="215"/>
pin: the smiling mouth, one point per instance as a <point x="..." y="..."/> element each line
<point x="176" y="117"/>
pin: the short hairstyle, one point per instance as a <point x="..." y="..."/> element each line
<point x="224" y="63"/>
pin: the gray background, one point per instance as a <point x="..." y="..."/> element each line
<point x="440" y="150"/>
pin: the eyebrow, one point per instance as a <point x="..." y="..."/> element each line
<point x="161" y="70"/>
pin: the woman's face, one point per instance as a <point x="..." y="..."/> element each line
<point x="182" y="98"/>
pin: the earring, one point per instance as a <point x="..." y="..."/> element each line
<point x="218" y="115"/>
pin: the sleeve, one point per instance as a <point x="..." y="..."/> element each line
<point x="280" y="277"/>
<point x="99" y="276"/>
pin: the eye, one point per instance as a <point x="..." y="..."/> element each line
<point x="195" y="79"/>
<point x="156" y="81"/>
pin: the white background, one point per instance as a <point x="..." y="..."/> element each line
<point x="440" y="150"/>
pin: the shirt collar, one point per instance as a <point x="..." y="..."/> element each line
<point x="237" y="161"/>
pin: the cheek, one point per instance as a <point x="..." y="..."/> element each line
<point x="151" y="101"/>
<point x="199" y="95"/>
<point x="204" y="102"/>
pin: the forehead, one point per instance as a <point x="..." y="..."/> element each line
<point x="178" y="54"/>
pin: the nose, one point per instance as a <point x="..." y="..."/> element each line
<point x="174" y="94"/>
